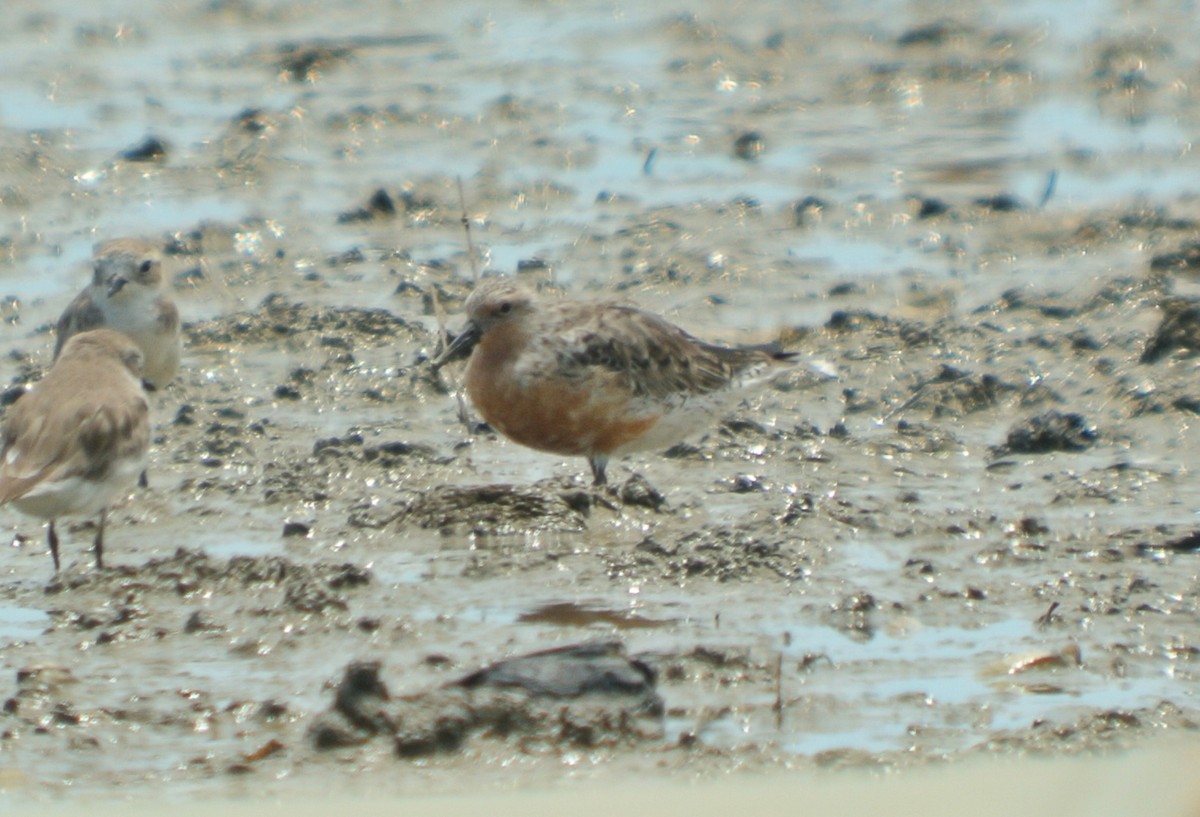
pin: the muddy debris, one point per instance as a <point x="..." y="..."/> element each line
<point x="1000" y="203"/>
<point x="1186" y="257"/>
<point x="1051" y="431"/>
<point x="388" y="454"/>
<point x="200" y="622"/>
<point x="854" y="615"/>
<point x="932" y="34"/>
<point x="861" y="321"/>
<point x="587" y="695"/>
<point x="749" y="146"/>
<point x="951" y="392"/>
<point x="190" y="573"/>
<point x="718" y="553"/>
<point x="1068" y="657"/>
<point x="305" y="62"/>
<point x="1179" y="331"/>
<point x="278" y="318"/>
<point x="480" y="509"/>
<point x="43" y="708"/>
<point x="382" y="205"/>
<point x="809" y="211"/>
<point x="39" y="697"/>
<point x="637" y="492"/>
<point x="570" y="614"/>
<point x="151" y="149"/>
<point x="1092" y="729"/>
<point x="931" y="207"/>
<point x="1185" y="543"/>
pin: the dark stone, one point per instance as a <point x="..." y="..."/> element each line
<point x="636" y="491"/>
<point x="152" y="149"/>
<point x="1001" y="203"/>
<point x="931" y="208"/>
<point x="582" y="695"/>
<point x="12" y="394"/>
<point x="1178" y="331"/>
<point x="1185" y="258"/>
<point x="380" y="205"/>
<point x="569" y="672"/>
<point x="749" y="145"/>
<point x="291" y="528"/>
<point x="1052" y="431"/>
<point x="929" y="34"/>
<point x="808" y="210"/>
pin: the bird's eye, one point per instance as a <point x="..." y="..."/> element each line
<point x="504" y="308"/>
<point x="145" y="266"/>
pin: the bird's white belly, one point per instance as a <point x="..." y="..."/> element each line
<point x="79" y="496"/>
<point x="680" y="420"/>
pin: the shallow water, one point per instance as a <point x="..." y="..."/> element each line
<point x="21" y="623"/>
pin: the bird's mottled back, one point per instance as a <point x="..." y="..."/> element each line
<point x="655" y="358"/>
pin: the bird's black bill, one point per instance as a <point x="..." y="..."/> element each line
<point x="772" y="350"/>
<point x="115" y="285"/>
<point x="458" y="348"/>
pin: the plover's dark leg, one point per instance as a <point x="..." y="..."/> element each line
<point x="98" y="545"/>
<point x="598" y="462"/>
<point x="52" y="538"/>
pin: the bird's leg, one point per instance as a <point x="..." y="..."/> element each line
<point x="52" y="538"/>
<point x="598" y="462"/>
<point x="98" y="545"/>
<point x="143" y="480"/>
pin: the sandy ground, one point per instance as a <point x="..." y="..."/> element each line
<point x="1112" y="786"/>
<point x="975" y="545"/>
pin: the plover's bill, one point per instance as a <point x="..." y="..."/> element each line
<point x="597" y="380"/>
<point x="127" y="294"/>
<point x="77" y="441"/>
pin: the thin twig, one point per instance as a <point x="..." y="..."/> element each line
<point x="440" y="314"/>
<point x="464" y="413"/>
<point x="1047" y="618"/>
<point x="648" y="164"/>
<point x="778" y="707"/>
<point x="1048" y="192"/>
<point x="466" y="223"/>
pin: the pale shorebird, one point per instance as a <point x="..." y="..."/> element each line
<point x="599" y="379"/>
<point x="77" y="441"/>
<point x="126" y="294"/>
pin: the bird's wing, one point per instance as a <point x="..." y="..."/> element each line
<point x="652" y="357"/>
<point x="80" y="315"/>
<point x="113" y="432"/>
<point x="168" y="315"/>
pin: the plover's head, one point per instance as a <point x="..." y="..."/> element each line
<point x="125" y="261"/>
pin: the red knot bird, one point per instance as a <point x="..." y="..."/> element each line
<point x="598" y="380"/>
<point x="126" y="294"/>
<point x="77" y="441"/>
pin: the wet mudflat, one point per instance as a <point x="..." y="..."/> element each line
<point x="979" y="539"/>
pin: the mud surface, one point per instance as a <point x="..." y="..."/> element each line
<point x="979" y="538"/>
